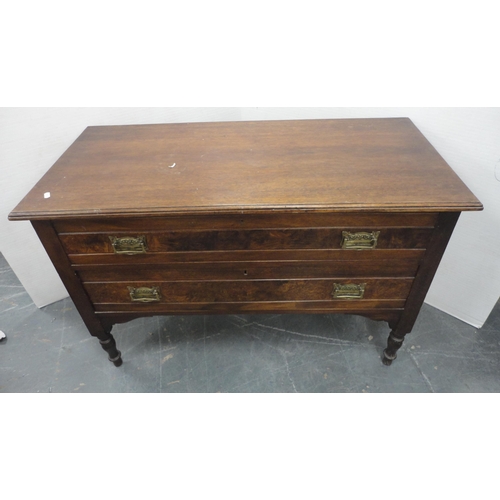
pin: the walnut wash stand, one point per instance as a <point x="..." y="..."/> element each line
<point x="312" y="216"/>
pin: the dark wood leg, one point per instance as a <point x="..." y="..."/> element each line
<point x="109" y="345"/>
<point x="394" y="342"/>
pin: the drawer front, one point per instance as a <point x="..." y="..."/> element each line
<point x="403" y="266"/>
<point x="229" y="240"/>
<point x="383" y="292"/>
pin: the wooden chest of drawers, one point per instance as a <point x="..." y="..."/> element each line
<point x="314" y="216"/>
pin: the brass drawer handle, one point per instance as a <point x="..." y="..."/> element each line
<point x="359" y="241"/>
<point x="145" y="294"/>
<point x="129" y="245"/>
<point x="349" y="291"/>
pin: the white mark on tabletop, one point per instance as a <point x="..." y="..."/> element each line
<point x="171" y="166"/>
<point x="46" y="195"/>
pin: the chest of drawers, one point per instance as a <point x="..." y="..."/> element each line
<point x="313" y="216"/>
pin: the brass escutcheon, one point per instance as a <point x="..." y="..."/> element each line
<point x="129" y="245"/>
<point x="359" y="241"/>
<point x="145" y="294"/>
<point x="348" y="291"/>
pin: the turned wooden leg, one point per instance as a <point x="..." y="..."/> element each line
<point x="394" y="342"/>
<point x="109" y="345"/>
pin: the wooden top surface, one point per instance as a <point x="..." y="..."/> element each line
<point x="341" y="165"/>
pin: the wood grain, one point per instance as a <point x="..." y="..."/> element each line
<point x="267" y="307"/>
<point x="376" y="255"/>
<point x="207" y="271"/>
<point x="49" y="239"/>
<point x="334" y="165"/>
<point x="246" y="221"/>
<point x="249" y="290"/>
<point x="253" y="239"/>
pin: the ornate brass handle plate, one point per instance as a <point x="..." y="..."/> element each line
<point x="359" y="241"/>
<point x="129" y="245"/>
<point x="348" y="291"/>
<point x="145" y="294"/>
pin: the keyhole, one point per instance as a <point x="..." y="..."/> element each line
<point x="245" y="272"/>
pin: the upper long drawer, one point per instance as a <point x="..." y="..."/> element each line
<point x="252" y="239"/>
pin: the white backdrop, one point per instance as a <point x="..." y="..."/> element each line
<point x="467" y="284"/>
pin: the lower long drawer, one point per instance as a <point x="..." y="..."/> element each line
<point x="358" y="291"/>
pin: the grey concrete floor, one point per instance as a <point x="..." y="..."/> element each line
<point x="50" y="350"/>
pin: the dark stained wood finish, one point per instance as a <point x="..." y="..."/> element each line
<point x="250" y="290"/>
<point x="111" y="318"/>
<point x="49" y="239"/>
<point x="53" y="247"/>
<point x="337" y="165"/>
<point x="306" y="307"/>
<point x="253" y="239"/>
<point x="247" y="217"/>
<point x="373" y="256"/>
<point x="203" y="271"/>
<point x="244" y="221"/>
<point x="442" y="234"/>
